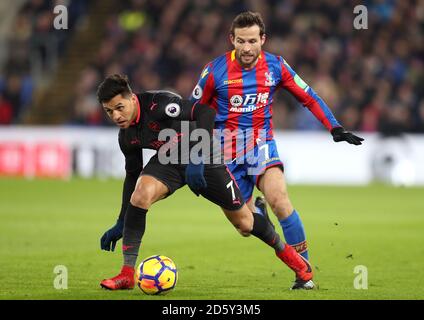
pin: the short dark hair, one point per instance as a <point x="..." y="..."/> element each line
<point x="248" y="19"/>
<point x="112" y="86"/>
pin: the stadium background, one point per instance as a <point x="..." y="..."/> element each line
<point x="372" y="79"/>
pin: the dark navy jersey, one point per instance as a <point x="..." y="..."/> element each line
<point x="158" y="110"/>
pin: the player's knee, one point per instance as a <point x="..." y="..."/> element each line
<point x="245" y="226"/>
<point x="244" y="234"/>
<point x="143" y="197"/>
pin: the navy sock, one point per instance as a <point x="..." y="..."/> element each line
<point x="294" y="233"/>
<point x="263" y="230"/>
<point x="259" y="211"/>
<point x="134" y="226"/>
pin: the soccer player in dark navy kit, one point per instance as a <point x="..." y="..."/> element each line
<point x="141" y="118"/>
<point x="240" y="86"/>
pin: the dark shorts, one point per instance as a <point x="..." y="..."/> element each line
<point x="221" y="188"/>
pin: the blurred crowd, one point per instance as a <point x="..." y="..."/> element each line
<point x="34" y="47"/>
<point x="372" y="78"/>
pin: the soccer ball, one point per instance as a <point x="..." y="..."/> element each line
<point x="156" y="275"/>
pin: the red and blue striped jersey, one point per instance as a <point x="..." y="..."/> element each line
<point x="243" y="99"/>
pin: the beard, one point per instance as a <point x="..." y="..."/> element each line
<point x="247" y="60"/>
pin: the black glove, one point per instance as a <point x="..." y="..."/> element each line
<point x="112" y="236"/>
<point x="340" y="134"/>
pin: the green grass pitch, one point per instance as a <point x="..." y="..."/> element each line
<point x="45" y="223"/>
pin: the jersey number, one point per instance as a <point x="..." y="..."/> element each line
<point x="231" y="185"/>
<point x="265" y="149"/>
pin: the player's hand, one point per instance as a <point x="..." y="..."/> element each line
<point x="340" y="134"/>
<point x="194" y="176"/>
<point x="111" y="236"/>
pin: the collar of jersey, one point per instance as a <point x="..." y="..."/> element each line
<point x="139" y="111"/>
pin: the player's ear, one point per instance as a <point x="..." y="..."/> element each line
<point x="263" y="38"/>
<point x="231" y="37"/>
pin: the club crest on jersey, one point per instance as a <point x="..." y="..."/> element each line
<point x="269" y="82"/>
<point x="173" y="110"/>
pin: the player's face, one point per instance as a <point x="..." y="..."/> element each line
<point x="248" y="45"/>
<point x="121" y="110"/>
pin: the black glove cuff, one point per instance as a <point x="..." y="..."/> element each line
<point x="120" y="222"/>
<point x="337" y="131"/>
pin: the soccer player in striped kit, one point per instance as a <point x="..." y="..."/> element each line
<point x="240" y="86"/>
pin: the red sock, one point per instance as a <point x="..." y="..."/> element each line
<point x="129" y="270"/>
<point x="295" y="262"/>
